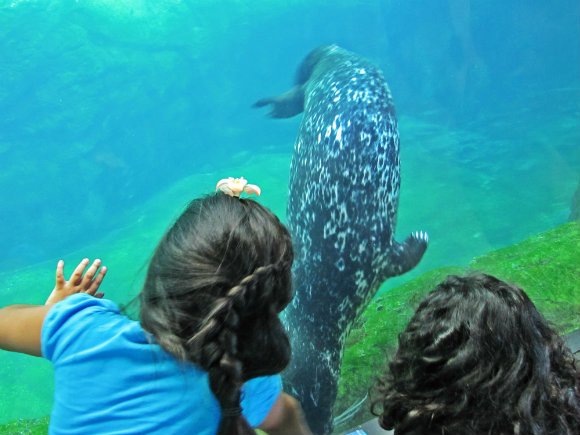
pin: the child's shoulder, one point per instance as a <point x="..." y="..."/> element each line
<point x="81" y="307"/>
<point x="79" y="320"/>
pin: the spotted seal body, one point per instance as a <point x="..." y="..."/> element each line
<point x="343" y="199"/>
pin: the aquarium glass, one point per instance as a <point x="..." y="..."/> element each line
<point x="115" y="113"/>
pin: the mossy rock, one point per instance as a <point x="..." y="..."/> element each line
<point x="26" y="427"/>
<point x="546" y="266"/>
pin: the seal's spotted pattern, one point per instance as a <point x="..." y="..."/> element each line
<point x="344" y="194"/>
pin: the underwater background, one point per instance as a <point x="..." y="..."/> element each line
<point x="115" y="113"/>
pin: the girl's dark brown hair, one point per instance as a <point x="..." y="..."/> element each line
<point x="213" y="291"/>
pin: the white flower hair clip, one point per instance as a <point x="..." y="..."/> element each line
<point x="235" y="186"/>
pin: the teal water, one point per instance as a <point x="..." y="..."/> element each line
<point x="113" y="114"/>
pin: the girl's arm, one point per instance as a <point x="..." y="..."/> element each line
<point x="285" y="418"/>
<point x="21" y="325"/>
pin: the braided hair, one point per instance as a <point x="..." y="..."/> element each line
<point x="214" y="288"/>
<point x="478" y="358"/>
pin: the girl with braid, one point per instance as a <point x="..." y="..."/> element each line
<point x="206" y="354"/>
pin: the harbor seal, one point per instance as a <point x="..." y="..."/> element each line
<point x="342" y="210"/>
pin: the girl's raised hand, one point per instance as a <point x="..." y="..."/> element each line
<point x="77" y="283"/>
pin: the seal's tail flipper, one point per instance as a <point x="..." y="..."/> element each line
<point x="286" y="105"/>
<point x="405" y="256"/>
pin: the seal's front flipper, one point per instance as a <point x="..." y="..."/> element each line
<point x="291" y="103"/>
<point x="405" y="256"/>
<point x="286" y="105"/>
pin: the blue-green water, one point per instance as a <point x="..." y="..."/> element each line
<point x="114" y="113"/>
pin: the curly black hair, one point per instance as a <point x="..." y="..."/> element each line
<point x="478" y="358"/>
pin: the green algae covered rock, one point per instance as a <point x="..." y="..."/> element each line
<point x="29" y="427"/>
<point x="546" y="266"/>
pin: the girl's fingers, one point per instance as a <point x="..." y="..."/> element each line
<point x="90" y="273"/>
<point x="77" y="275"/>
<point x="97" y="281"/>
<point x="99" y="295"/>
<point x="60" y="282"/>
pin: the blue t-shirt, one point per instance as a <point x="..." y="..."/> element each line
<point x="111" y="379"/>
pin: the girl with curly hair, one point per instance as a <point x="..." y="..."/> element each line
<point x="478" y="358"/>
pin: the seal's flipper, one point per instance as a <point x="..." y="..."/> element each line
<point x="286" y="105"/>
<point x="291" y="103"/>
<point x="405" y="256"/>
